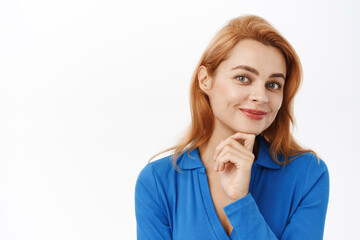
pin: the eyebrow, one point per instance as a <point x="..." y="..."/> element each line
<point x="254" y="71"/>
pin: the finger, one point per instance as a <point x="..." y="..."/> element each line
<point x="227" y="151"/>
<point x="219" y="148"/>
<point x="217" y="159"/>
<point x="249" y="139"/>
<point x="229" y="142"/>
<point x="231" y="155"/>
<point x="238" y="150"/>
<point x="235" y="160"/>
<point x="229" y="158"/>
<point x="225" y="159"/>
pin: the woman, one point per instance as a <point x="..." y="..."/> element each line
<point x="238" y="172"/>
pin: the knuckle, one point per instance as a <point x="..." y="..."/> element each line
<point x="226" y="157"/>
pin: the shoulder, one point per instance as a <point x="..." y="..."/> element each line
<point x="156" y="184"/>
<point x="310" y="170"/>
<point x="156" y="170"/>
<point x="308" y="163"/>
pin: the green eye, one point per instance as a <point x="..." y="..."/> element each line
<point x="242" y="78"/>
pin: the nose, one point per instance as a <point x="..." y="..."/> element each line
<point x="258" y="94"/>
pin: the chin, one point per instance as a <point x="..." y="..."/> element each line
<point x="249" y="131"/>
<point x="255" y="129"/>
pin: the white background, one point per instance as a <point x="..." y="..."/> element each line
<point x="90" y="90"/>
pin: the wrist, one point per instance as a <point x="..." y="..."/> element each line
<point x="235" y="198"/>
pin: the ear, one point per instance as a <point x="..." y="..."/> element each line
<point x="204" y="79"/>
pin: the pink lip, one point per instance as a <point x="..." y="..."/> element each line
<point x="253" y="114"/>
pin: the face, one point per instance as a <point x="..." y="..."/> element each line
<point x="246" y="90"/>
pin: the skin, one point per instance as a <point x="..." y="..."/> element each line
<point x="228" y="154"/>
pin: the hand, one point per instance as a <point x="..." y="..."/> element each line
<point x="234" y="161"/>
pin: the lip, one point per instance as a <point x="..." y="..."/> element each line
<point x="253" y="114"/>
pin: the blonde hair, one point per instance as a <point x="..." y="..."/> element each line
<point x="278" y="134"/>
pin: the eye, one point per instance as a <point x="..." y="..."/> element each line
<point x="274" y="85"/>
<point x="242" y="78"/>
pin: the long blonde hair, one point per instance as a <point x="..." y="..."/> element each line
<point x="278" y="134"/>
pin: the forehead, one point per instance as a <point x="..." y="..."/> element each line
<point x="266" y="59"/>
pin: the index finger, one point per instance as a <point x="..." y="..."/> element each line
<point x="248" y="142"/>
<point x="249" y="139"/>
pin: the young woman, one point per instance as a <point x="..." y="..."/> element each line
<point x="238" y="172"/>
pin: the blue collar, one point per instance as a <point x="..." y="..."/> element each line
<point x="192" y="160"/>
<point x="264" y="158"/>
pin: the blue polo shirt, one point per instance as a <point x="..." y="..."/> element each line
<point x="283" y="202"/>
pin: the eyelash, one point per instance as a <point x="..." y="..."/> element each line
<point x="278" y="84"/>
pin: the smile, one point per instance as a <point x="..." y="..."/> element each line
<point x="253" y="114"/>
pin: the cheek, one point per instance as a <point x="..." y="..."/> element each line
<point x="224" y="94"/>
<point x="278" y="105"/>
<point x="276" y="102"/>
<point x="275" y="106"/>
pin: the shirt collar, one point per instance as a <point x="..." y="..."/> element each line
<point x="264" y="158"/>
<point x="192" y="160"/>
